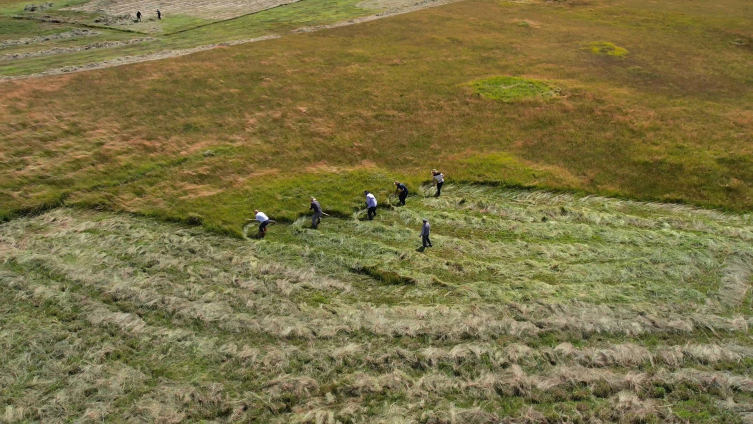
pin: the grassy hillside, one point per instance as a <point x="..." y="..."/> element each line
<point x="531" y="306"/>
<point x="331" y="113"/>
<point x="172" y="33"/>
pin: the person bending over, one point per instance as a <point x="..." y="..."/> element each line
<point x="402" y="192"/>
<point x="371" y="205"/>
<point x="264" y="222"/>
<point x="438" y="181"/>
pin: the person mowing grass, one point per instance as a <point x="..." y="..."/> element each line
<point x="438" y="181"/>
<point x="317" y="208"/>
<point x="264" y="222"/>
<point x="425" y="230"/>
<point x="371" y="205"/>
<point x="402" y="192"/>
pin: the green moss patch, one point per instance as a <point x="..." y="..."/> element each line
<point x="603" y="48"/>
<point x="512" y="88"/>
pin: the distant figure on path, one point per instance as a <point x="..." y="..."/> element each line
<point x="317" y="208"/>
<point x="138" y="16"/>
<point x="159" y="15"/>
<point x="437" y="180"/>
<point x="371" y="204"/>
<point x="401" y="191"/>
<point x="264" y="220"/>
<point x="425" y="230"/>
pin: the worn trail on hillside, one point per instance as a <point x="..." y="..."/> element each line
<point x="125" y="60"/>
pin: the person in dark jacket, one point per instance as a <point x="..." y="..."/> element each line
<point x="317" y="208"/>
<point x="159" y="15"/>
<point x="138" y="16"/>
<point x="425" y="230"/>
<point x="402" y="192"/>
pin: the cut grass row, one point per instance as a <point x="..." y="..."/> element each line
<point x="120" y="318"/>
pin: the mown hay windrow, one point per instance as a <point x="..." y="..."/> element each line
<point x="623" y="307"/>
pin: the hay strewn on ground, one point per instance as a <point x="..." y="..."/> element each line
<point x="531" y="307"/>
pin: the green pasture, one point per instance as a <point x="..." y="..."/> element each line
<point x="331" y="113"/>
<point x="132" y="287"/>
<point x="177" y="32"/>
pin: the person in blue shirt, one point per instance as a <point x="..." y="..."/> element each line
<point x="402" y="192"/>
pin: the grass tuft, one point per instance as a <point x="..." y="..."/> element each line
<point x="603" y="48"/>
<point x="510" y="89"/>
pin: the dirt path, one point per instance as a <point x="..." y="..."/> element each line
<point x="64" y="50"/>
<point x="76" y="33"/>
<point x="206" y="9"/>
<point x="125" y="60"/>
<point x="176" y="53"/>
<point x="391" y="12"/>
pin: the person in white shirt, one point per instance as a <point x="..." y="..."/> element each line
<point x="371" y="204"/>
<point x="264" y="220"/>
<point x="438" y="180"/>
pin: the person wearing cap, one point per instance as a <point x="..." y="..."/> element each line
<point x="264" y="220"/>
<point x="317" y="208"/>
<point x="402" y="192"/>
<point x="425" y="230"/>
<point x="371" y="205"/>
<point x="438" y="181"/>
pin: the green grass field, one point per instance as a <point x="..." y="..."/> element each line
<point x="592" y="259"/>
<point x="335" y="112"/>
<point x="531" y="307"/>
<point x="175" y="33"/>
